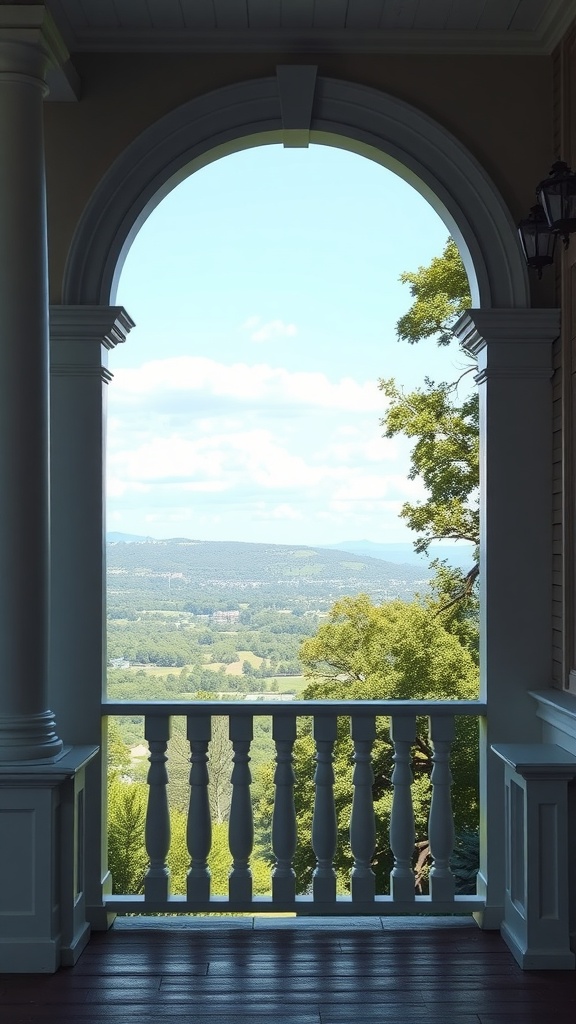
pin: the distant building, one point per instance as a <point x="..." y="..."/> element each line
<point x="225" y="616"/>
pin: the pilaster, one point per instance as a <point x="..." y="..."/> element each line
<point x="27" y="727"/>
<point x="514" y="352"/>
<point x="80" y="339"/>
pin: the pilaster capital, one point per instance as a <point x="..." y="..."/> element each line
<point x="509" y="343"/>
<point x="103" y="325"/>
<point x="478" y="327"/>
<point x="30" y="42"/>
<point x="81" y="337"/>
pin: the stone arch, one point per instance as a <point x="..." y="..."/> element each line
<point x="354" y="117"/>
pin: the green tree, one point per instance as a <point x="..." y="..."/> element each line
<point x="396" y="650"/>
<point x="427" y="649"/>
<point x="445" y="456"/>
<point x="127" y="858"/>
<point x="441" y="292"/>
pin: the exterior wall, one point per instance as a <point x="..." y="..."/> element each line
<point x="478" y="99"/>
<point x="564" y="383"/>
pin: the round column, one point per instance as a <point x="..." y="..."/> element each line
<point x="514" y="352"/>
<point x="27" y="728"/>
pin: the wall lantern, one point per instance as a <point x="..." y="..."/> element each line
<point x="538" y="240"/>
<point x="557" y="195"/>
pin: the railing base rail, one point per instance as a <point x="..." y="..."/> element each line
<point x="381" y="906"/>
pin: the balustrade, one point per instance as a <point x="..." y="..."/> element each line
<point x="365" y="833"/>
<point x="241" y="825"/>
<point x="402" y="829"/>
<point x="362" y="819"/>
<point x="157" y="834"/>
<point x="284" y="814"/>
<point x="199" y="824"/>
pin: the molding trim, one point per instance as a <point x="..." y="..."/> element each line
<point x="357" y="118"/>
<point x="76" y="370"/>
<point x="103" y="325"/>
<point x="513" y="373"/>
<point x="385" y="41"/>
<point x="476" y="327"/>
<point x="558" y="709"/>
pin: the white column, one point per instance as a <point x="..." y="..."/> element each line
<point x="81" y="337"/>
<point x="514" y="352"/>
<point x="27" y="727"/>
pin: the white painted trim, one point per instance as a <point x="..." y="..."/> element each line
<point x="346" y="115"/>
<point x="557" y="709"/>
<point x="312" y="41"/>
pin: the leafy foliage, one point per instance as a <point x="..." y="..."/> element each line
<point x="444" y="457"/>
<point x="401" y="651"/>
<point x="426" y="649"/>
<point x="127" y="857"/>
<point x="396" y="650"/>
<point x="441" y="292"/>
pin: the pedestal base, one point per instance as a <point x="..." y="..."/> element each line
<point x="42" y="906"/>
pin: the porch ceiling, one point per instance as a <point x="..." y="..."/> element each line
<point x="387" y="26"/>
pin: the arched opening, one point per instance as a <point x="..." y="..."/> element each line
<point x="400" y="137"/>
<point x="315" y="360"/>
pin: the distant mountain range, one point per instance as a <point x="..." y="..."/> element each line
<point x="147" y="563"/>
<point x="460" y="555"/>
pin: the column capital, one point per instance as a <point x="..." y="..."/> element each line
<point x="30" y="41"/>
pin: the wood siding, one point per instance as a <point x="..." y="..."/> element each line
<point x="564" y="396"/>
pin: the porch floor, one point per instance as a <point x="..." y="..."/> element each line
<point x="287" y="971"/>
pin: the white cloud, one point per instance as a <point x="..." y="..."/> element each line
<point x="279" y="512"/>
<point x="205" y="448"/>
<point x="165" y="382"/>
<point x="270" y="330"/>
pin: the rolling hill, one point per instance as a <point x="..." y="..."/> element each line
<point x="185" y="565"/>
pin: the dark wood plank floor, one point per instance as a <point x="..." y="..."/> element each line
<point x="235" y="971"/>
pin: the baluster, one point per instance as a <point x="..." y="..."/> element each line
<point x="157" y="880"/>
<point x="402" y="830"/>
<point x="199" y="824"/>
<point x="241" y="824"/>
<point x="441" y="824"/>
<point x="362" y="820"/>
<point x="284" y="815"/>
<point x="324" y="826"/>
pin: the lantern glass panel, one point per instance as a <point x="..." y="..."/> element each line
<point x="557" y="194"/>
<point x="537" y="239"/>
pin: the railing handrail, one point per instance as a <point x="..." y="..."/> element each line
<point x="308" y="708"/>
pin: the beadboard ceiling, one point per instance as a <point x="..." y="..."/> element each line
<point x="386" y="26"/>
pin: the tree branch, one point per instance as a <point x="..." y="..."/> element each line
<point x="466" y="590"/>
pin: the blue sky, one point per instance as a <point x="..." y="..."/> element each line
<point x="245" y="403"/>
